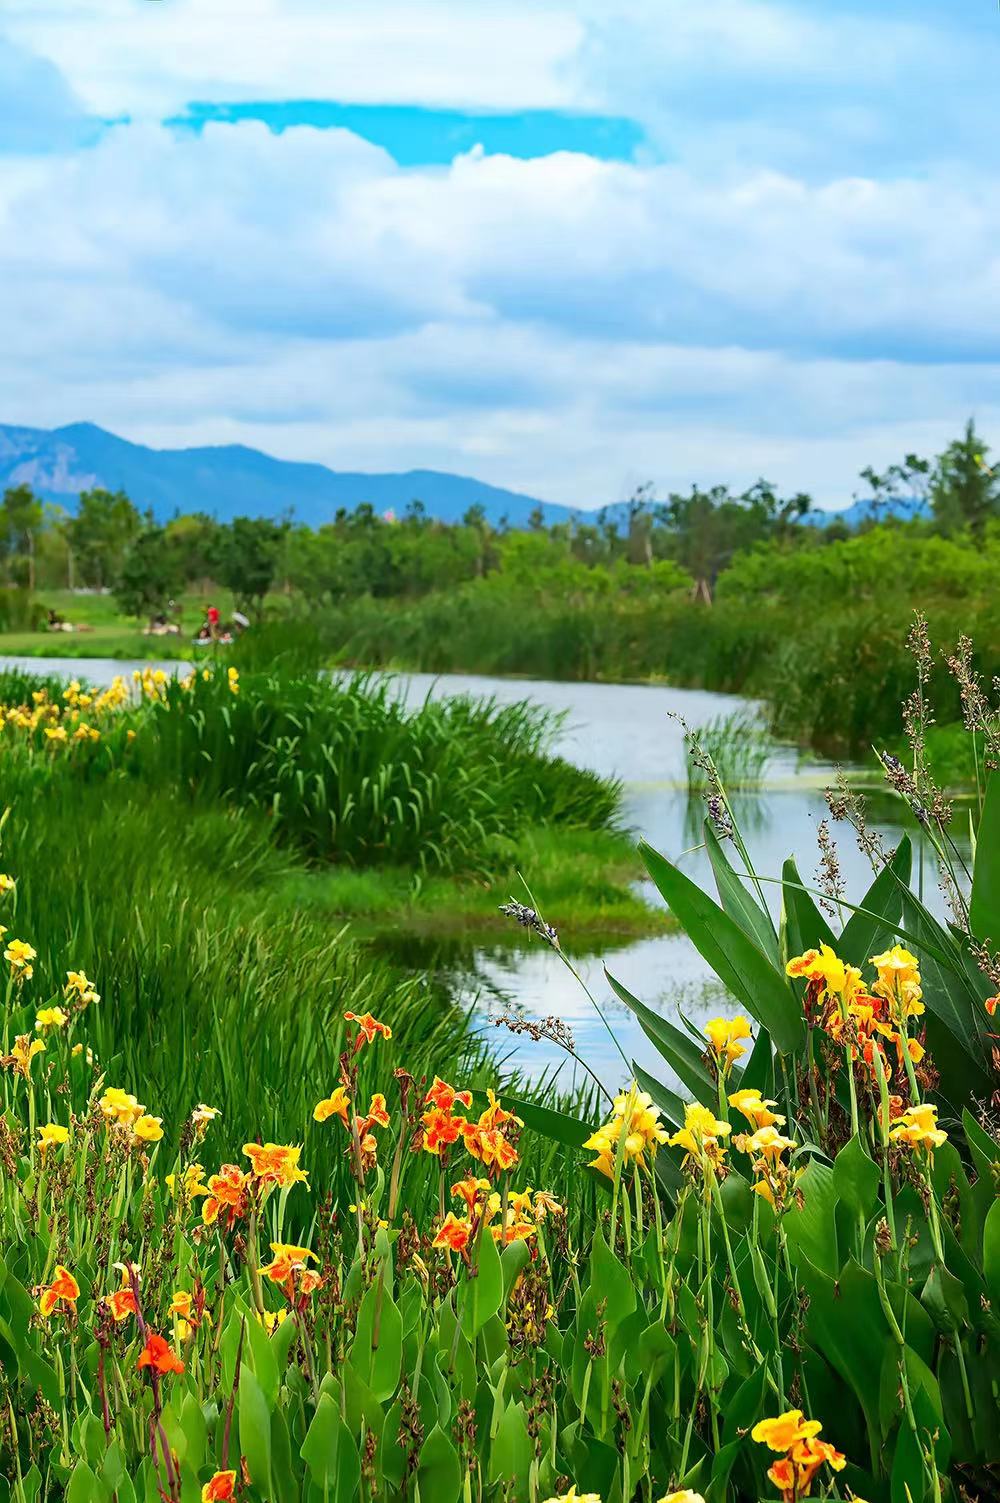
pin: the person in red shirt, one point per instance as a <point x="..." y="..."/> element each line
<point x="212" y="617"/>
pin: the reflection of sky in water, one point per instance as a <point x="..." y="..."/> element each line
<point x="622" y="730"/>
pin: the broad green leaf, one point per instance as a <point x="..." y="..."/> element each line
<point x="856" y="1178"/>
<point x="512" y="1451"/>
<point x="255" y="1430"/>
<point x="811" y="1228"/>
<point x="741" y="966"/>
<point x="484" y="1293"/>
<point x="991" y="1254"/>
<point x="439" y="1473"/>
<point x="866" y="934"/>
<point x="984" y="902"/>
<point x="678" y="1048"/>
<point x="83" y="1486"/>
<point x="330" y="1453"/>
<point x="263" y="1359"/>
<point x="738" y="902"/>
<point x="378" y="1343"/>
<point x="805" y="926"/>
<point x="944" y="1298"/>
<point x="610" y="1281"/>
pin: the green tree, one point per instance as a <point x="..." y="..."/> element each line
<point x="20" y="523"/>
<point x="150" y="574"/>
<point x="964" y="490"/>
<point x="99" y="536"/>
<point x="248" y="553"/>
<point x="194" y="537"/>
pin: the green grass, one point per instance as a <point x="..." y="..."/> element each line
<point x="345" y="771"/>
<point x="740" y="749"/>
<point x="581" y="878"/>
<point x="216" y="985"/>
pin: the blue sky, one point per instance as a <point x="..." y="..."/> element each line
<point x="565" y="245"/>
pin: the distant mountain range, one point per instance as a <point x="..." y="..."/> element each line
<point x="232" y="480"/>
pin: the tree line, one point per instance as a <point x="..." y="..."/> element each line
<point x="109" y="544"/>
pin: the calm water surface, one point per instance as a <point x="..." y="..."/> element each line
<point x="626" y="731"/>
<point x="630" y="731"/>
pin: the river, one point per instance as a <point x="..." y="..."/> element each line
<point x="630" y="732"/>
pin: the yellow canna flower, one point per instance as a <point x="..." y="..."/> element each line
<point x="121" y="1107"/>
<point x="785" y="1431"/>
<point x="51" y="1017"/>
<point x="574" y="1497"/>
<point x="52" y="1135"/>
<point x="756" y="1110"/>
<point x="7" y="884"/>
<point x="24" y="1050"/>
<point x="767" y="1143"/>
<point x="699" y="1137"/>
<point x="917" y="1128"/>
<point x="725" y="1036"/>
<point x="20" y="954"/>
<point x="684" y="1496"/>
<point x="334" y="1105"/>
<point x="148" y="1129"/>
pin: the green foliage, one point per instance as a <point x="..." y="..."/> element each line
<point x="105" y="525"/>
<point x="345" y="771"/>
<point x="246" y="559"/>
<point x="150" y="575"/>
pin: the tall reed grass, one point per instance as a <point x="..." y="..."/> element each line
<point x="213" y="987"/>
<point x="345" y="771"/>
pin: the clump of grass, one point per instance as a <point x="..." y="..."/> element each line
<point x="738" y="746"/>
<point x="345" y="771"/>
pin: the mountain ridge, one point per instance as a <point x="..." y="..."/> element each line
<point x="228" y="480"/>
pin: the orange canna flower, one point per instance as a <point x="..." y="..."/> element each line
<point x="991" y="1004"/>
<point x="472" y="1191"/>
<point x="63" y="1287"/>
<point x="274" y="1163"/>
<point x="368" y="1028"/>
<point x="783" y="1432"/>
<point x="454" y="1234"/>
<point x="378" y="1115"/>
<point x="227" y="1196"/>
<point x="159" y="1356"/>
<point x="220" y="1487"/>
<point x="489" y="1145"/>
<point x="444" y="1096"/>
<point x="121" y="1302"/>
<point x="287" y="1261"/>
<point x="441" y="1129"/>
<point x="334" y="1105"/>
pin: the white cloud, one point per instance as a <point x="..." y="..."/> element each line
<point x="151" y="59"/>
<point x="562" y="325"/>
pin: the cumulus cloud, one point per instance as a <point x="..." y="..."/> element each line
<point x="742" y="304"/>
<point x="150" y="60"/>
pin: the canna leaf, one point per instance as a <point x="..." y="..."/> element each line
<point x="856" y="1178"/>
<point x="736" y="960"/>
<point x="439" y="1473"/>
<point x="738" y="902"/>
<point x="677" y="1048"/>
<point x="984" y="901"/>
<point x="255" y="1430"/>
<point x="865" y="934"/>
